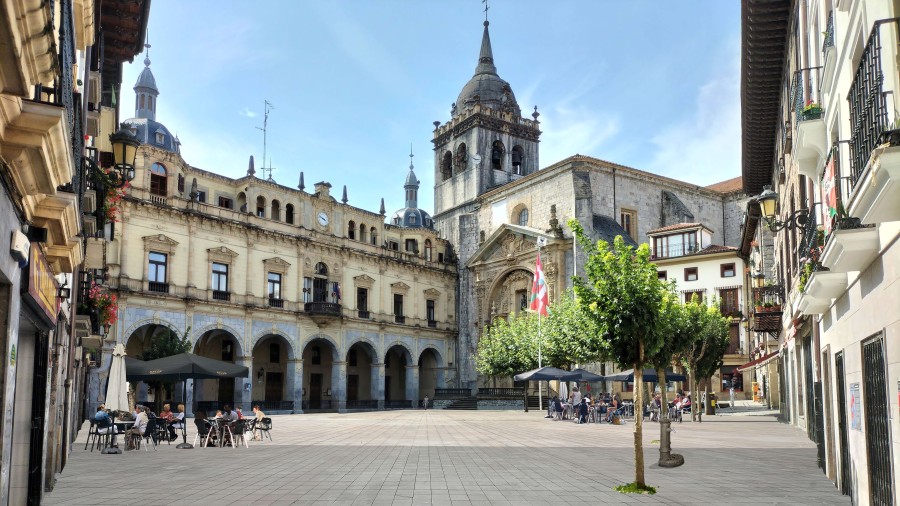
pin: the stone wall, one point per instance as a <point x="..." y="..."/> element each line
<point x="501" y="404"/>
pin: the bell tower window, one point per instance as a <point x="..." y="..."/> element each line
<point x="462" y="156"/>
<point x="447" y="166"/>
<point x="497" y="152"/>
<point x="518" y="160"/>
<point x="158" y="180"/>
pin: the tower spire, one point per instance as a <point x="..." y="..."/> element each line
<point x="486" y="55"/>
<point x="412" y="184"/>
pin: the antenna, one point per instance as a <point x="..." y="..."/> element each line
<point x="265" y="128"/>
<point x="486" y="8"/>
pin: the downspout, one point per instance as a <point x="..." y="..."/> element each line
<point x="614" y="193"/>
<point x="724" y="228"/>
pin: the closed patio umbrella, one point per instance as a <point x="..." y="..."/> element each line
<point x="116" y="390"/>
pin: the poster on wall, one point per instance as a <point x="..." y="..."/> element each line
<point x="855" y="415"/>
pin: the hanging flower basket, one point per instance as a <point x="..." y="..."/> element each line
<point x="106" y="304"/>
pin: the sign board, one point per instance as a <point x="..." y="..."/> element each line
<point x="42" y="287"/>
<point x="855" y="407"/>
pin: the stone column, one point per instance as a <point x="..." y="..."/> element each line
<point x="295" y="383"/>
<point x="339" y="386"/>
<point x="378" y="384"/>
<point x="189" y="401"/>
<point x="412" y="384"/>
<point x="243" y="396"/>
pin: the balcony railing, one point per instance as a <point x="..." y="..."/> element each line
<point x="323" y="308"/>
<point x="829" y="33"/>
<point x="159" y="287"/>
<point x="221" y="295"/>
<point x="278" y="303"/>
<point x="365" y="315"/>
<point x="399" y="318"/>
<point x="432" y="324"/>
<point x="505" y="393"/>
<point x="274" y="405"/>
<point x="806" y="94"/>
<point x="870" y="111"/>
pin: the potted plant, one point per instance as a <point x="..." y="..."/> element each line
<point x="811" y="110"/>
<point x="105" y="303"/>
<point x="767" y="307"/>
<point x="758" y="306"/>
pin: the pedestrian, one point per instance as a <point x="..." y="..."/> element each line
<point x="425" y="403"/>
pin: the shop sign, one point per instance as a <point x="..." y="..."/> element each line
<point x="855" y="406"/>
<point x="42" y="286"/>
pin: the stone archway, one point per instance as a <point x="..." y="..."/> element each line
<point x="324" y="376"/>
<point x="431" y="372"/>
<point x="137" y="343"/>
<point x="365" y="384"/>
<point x="401" y="382"/>
<point x="510" y="294"/>
<point x="212" y="394"/>
<point x="274" y="374"/>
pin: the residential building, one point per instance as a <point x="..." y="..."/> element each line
<point x="820" y="120"/>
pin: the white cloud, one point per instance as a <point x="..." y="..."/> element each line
<point x="705" y="147"/>
<point x="247" y="113"/>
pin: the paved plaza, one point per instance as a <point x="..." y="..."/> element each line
<point x="460" y="457"/>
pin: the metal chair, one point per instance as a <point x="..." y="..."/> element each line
<point x="205" y="432"/>
<point x="97" y="438"/>
<point x="264" y="427"/>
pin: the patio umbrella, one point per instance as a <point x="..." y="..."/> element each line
<point x="546" y="374"/>
<point x="649" y="376"/>
<point x="116" y="390"/>
<point x="182" y="367"/>
<point x="588" y="375"/>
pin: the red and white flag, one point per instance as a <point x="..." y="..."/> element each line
<point x="540" y="299"/>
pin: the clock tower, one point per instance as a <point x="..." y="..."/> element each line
<point x="485" y="144"/>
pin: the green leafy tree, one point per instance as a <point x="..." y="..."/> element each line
<point x="166" y="343"/>
<point x="679" y="325"/>
<point x="704" y="354"/>
<point x="569" y="334"/>
<point x="623" y="294"/>
<point x="508" y="347"/>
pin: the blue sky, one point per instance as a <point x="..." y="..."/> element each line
<point x="651" y="85"/>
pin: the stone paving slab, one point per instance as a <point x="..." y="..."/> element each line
<point x="459" y="457"/>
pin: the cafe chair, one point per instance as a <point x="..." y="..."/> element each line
<point x="97" y="438"/>
<point x="205" y="432"/>
<point x="241" y="428"/>
<point x="264" y="427"/>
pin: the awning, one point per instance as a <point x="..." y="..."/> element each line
<point x="763" y="360"/>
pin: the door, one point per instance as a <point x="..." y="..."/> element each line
<point x="352" y="387"/>
<point x="274" y="386"/>
<point x="828" y="414"/>
<point x="320" y="290"/>
<point x="846" y="484"/>
<point x="315" y="391"/>
<point x="387" y="388"/>
<point x="878" y="430"/>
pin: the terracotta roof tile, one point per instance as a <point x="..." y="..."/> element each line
<point x="728" y="186"/>
<point x="716" y="248"/>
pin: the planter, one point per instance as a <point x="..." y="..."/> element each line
<point x="759" y="309"/>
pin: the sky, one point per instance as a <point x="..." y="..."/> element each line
<point x="354" y="84"/>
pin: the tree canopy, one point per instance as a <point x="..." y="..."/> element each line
<point x="166" y="343"/>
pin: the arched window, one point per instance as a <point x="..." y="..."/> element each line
<point x="428" y="249"/>
<point x="261" y="206"/>
<point x="362" y="232"/>
<point x="373" y="236"/>
<point x="289" y="214"/>
<point x="276" y="210"/>
<point x="158" y="180"/>
<point x="462" y="156"/>
<point x="242" y="202"/>
<point x="522" y="219"/>
<point x="518" y="160"/>
<point x="320" y="283"/>
<point x="351" y="230"/>
<point x="447" y="166"/>
<point x="142" y="101"/>
<point x="497" y="152"/>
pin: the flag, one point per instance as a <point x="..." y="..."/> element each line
<point x="539" y="297"/>
<point x="337" y="291"/>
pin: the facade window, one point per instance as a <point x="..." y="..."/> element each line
<point x="156" y="272"/>
<point x="690" y="274"/>
<point x="429" y="310"/>
<point x="261" y="207"/>
<point x="320" y="283"/>
<point x="274" y="353"/>
<point x="441" y="257"/>
<point x="428" y="249"/>
<point x="412" y="219"/>
<point x="226" y="202"/>
<point x="662" y="275"/>
<point x="158" y="180"/>
<point x="274" y="285"/>
<point x="351" y="230"/>
<point x="729" y="303"/>
<point x="412" y="246"/>
<point x="522" y="219"/>
<point x="727" y="270"/>
<point x="675" y="245"/>
<point x="180" y="183"/>
<point x="689" y="295"/>
<point x="394" y="246"/>
<point x="289" y="214"/>
<point x="362" y="299"/>
<point x="219" y="277"/>
<point x="497" y="152"/>
<point x="201" y="196"/>
<point x="398" y="304"/>
<point x="628" y="220"/>
<point x="373" y="236"/>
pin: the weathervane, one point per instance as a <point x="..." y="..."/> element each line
<point x="410" y="157"/>
<point x="485" y="2"/>
<point x="265" y="127"/>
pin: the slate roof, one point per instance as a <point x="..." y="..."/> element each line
<point x="607" y="229"/>
<point x="146" y="129"/>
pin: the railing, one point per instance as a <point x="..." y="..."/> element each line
<point x="829" y="33"/>
<point x="806" y="94"/>
<point x="221" y="295"/>
<point x="771" y="294"/>
<point x="365" y="315"/>
<point x="279" y="303"/>
<point x="158" y="199"/>
<point x="869" y="108"/>
<point x="432" y="324"/>
<point x="399" y="318"/>
<point x="398" y="404"/>
<point x="676" y="251"/>
<point x="323" y="308"/>
<point x="452" y="393"/>
<point x="362" y="404"/>
<point x="319" y="404"/>
<point x="514" y="393"/>
<point x="274" y="405"/>
<point x="156" y="286"/>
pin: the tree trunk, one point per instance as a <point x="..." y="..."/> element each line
<point x="663" y="400"/>
<point x="694" y="402"/>
<point x="638" y="425"/>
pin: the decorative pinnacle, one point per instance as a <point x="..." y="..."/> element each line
<point x="535" y="114"/>
<point x="301" y="185"/>
<point x="344" y="198"/>
<point x="250" y="170"/>
<point x="382" y="211"/>
<point x="410" y="157"/>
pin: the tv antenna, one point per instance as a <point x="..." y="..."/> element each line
<point x="265" y="127"/>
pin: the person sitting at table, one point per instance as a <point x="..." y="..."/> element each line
<point x="582" y="411"/>
<point x="140" y="425"/>
<point x="228" y="414"/>
<point x="167" y="416"/>
<point x="256" y="421"/>
<point x="177" y="422"/>
<point x="612" y="410"/>
<point x="102" y="420"/>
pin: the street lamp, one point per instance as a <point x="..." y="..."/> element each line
<point x="124" y="147"/>
<point x="767" y="202"/>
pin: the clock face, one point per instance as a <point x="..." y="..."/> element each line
<point x="323" y="218"/>
<point x="476" y="159"/>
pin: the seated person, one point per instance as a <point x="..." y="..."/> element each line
<point x="102" y="420"/>
<point x="582" y="411"/>
<point x="258" y="416"/>
<point x="228" y="414"/>
<point x="613" y="409"/>
<point x="140" y="426"/>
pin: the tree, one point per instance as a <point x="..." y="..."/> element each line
<point x="569" y="334"/>
<point x="166" y="343"/>
<point x="508" y="347"/>
<point x="623" y="295"/>
<point x="704" y="355"/>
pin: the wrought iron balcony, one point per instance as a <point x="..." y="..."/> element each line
<point x="806" y="94"/>
<point x="399" y="318"/>
<point x="156" y="286"/>
<point x="278" y="303"/>
<point x="365" y="315"/>
<point x="221" y="295"/>
<point x="323" y="308"/>
<point x="829" y="33"/>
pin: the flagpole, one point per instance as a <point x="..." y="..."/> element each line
<point x="540" y="345"/>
